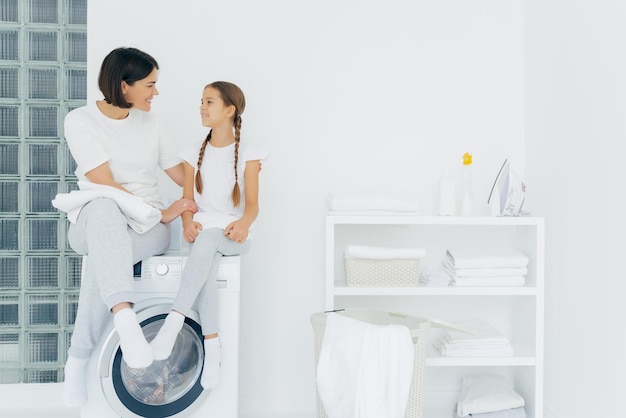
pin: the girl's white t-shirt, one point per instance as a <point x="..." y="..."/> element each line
<point x="135" y="148"/>
<point x="215" y="204"/>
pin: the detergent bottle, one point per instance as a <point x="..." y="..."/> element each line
<point x="467" y="202"/>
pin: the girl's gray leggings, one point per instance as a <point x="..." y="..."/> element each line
<point x="101" y="232"/>
<point x="199" y="279"/>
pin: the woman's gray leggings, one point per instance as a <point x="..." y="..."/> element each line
<point x="199" y="280"/>
<point x="101" y="232"/>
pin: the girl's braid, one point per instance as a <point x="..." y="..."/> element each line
<point x="236" y="195"/>
<point x="200" y="157"/>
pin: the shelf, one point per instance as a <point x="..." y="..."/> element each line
<point x="342" y="290"/>
<point x="516" y="310"/>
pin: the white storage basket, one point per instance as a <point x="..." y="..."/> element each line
<point x="418" y="329"/>
<point x="381" y="273"/>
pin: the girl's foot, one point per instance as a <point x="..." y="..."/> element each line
<point x="163" y="344"/>
<point x="75" y="384"/>
<point x="212" y="361"/>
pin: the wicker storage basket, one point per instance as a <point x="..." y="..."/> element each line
<point x="418" y="329"/>
<point x="375" y="272"/>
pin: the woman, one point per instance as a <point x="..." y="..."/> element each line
<point x="118" y="147"/>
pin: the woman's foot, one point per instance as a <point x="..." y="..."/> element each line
<point x="136" y="351"/>
<point x="163" y="344"/>
<point x="212" y="362"/>
<point x="75" y="382"/>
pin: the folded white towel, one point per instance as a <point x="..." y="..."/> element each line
<point x="507" y="413"/>
<point x="371" y="203"/>
<point x="364" y="370"/>
<point x="141" y="217"/>
<point x="505" y="350"/>
<point x="505" y="281"/>
<point x="466" y="259"/>
<point x="480" y="331"/>
<point x="383" y="253"/>
<point x="487" y="393"/>
<point x="492" y="272"/>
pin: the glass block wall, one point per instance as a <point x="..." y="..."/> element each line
<point x="43" y="68"/>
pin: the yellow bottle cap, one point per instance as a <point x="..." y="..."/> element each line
<point x="467" y="158"/>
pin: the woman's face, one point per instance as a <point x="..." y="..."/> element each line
<point x="140" y="94"/>
<point x="213" y="111"/>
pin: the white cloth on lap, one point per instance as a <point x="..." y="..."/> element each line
<point x="141" y="216"/>
<point x="364" y="370"/>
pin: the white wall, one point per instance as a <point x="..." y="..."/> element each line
<point x="575" y="130"/>
<point x="348" y="96"/>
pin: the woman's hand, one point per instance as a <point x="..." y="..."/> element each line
<point x="237" y="231"/>
<point x="177" y="208"/>
<point x="191" y="230"/>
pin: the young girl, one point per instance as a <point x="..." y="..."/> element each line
<point x="223" y="178"/>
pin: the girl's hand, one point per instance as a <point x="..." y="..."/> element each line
<point x="237" y="231"/>
<point x="177" y="208"/>
<point x="191" y="230"/>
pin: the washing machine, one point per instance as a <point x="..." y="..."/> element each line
<point x="168" y="388"/>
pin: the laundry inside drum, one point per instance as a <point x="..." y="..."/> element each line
<point x="168" y="380"/>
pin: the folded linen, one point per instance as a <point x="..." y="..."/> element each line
<point x="371" y="203"/>
<point x="491" y="272"/>
<point x="383" y="253"/>
<point x="364" y="370"/>
<point x="490" y="281"/>
<point x="466" y="259"/>
<point x="507" y="413"/>
<point x="487" y="393"/>
<point x="505" y="350"/>
<point x="480" y="339"/>
<point x="141" y="217"/>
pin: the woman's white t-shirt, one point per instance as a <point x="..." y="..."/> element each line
<point x="135" y="148"/>
<point x="215" y="204"/>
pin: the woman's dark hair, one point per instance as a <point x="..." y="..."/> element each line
<point x="123" y="64"/>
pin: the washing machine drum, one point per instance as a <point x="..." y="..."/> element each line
<point x="167" y="388"/>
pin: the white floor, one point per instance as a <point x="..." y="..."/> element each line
<point x="44" y="400"/>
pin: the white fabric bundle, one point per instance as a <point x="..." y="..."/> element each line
<point x="487" y="393"/>
<point x="141" y="217"/>
<point x="383" y="253"/>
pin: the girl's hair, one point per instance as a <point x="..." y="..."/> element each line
<point x="123" y="64"/>
<point x="232" y="96"/>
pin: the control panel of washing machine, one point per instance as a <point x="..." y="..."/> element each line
<point x="164" y="267"/>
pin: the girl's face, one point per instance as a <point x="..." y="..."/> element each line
<point x="140" y="94"/>
<point x="213" y="111"/>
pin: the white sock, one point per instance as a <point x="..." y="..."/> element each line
<point x="136" y="351"/>
<point x="75" y="384"/>
<point x="165" y="339"/>
<point x="212" y="361"/>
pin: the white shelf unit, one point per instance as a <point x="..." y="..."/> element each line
<point x="517" y="312"/>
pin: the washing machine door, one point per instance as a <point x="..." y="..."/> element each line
<point x="167" y="388"/>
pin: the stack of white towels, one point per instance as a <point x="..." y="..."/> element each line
<point x="373" y="204"/>
<point x="489" y="396"/>
<point x="492" y="268"/>
<point x="478" y="339"/>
